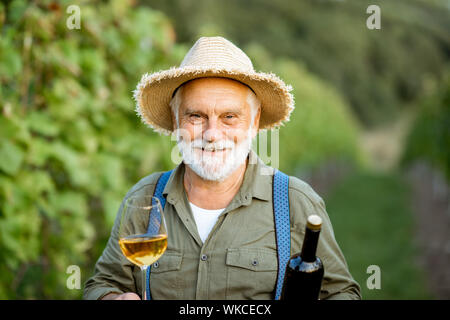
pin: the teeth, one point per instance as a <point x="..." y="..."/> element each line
<point x="213" y="150"/>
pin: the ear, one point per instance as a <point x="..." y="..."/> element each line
<point x="174" y="121"/>
<point x="256" y="123"/>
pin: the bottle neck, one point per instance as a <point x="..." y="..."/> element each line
<point x="309" y="247"/>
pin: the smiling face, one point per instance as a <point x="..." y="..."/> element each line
<point x="215" y="121"/>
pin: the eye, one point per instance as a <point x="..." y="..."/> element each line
<point x="230" y="116"/>
<point x="195" y="117"/>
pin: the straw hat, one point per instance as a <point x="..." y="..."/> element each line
<point x="212" y="57"/>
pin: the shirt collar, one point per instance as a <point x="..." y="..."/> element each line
<point x="257" y="182"/>
<point x="257" y="179"/>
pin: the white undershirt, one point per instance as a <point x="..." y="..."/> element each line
<point x="204" y="219"/>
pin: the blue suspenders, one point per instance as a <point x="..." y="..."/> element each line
<point x="281" y="219"/>
<point x="158" y="193"/>
<point x="282" y="225"/>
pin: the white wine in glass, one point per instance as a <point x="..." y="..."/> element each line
<point x="142" y="233"/>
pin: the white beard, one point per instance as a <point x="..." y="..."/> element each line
<point x="218" y="165"/>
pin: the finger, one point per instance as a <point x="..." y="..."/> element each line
<point x="128" y="296"/>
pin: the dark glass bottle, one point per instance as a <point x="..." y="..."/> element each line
<point x="304" y="271"/>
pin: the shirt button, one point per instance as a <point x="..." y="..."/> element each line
<point x="156" y="264"/>
<point x="255" y="263"/>
<point x="204" y="257"/>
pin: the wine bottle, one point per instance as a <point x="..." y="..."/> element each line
<point x="304" y="271"/>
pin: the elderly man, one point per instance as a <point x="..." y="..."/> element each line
<point x="219" y="207"/>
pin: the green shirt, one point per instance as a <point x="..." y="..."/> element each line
<point x="238" y="260"/>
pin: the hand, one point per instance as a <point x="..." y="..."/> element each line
<point x="123" y="296"/>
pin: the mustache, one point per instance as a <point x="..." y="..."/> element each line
<point x="211" y="146"/>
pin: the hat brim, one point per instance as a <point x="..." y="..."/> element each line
<point x="155" y="90"/>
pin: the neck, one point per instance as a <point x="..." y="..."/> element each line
<point x="212" y="195"/>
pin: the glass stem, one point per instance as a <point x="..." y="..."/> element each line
<point x="144" y="282"/>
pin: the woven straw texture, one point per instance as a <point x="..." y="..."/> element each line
<point x="212" y="57"/>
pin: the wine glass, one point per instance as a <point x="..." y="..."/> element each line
<point x="142" y="233"/>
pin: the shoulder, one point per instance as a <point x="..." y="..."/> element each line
<point x="304" y="201"/>
<point x="301" y="189"/>
<point x="145" y="185"/>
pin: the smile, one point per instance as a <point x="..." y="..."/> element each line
<point x="213" y="150"/>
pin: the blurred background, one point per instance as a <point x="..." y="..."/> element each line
<point x="370" y="132"/>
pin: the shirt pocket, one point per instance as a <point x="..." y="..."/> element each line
<point x="169" y="261"/>
<point x="251" y="273"/>
<point x="165" y="281"/>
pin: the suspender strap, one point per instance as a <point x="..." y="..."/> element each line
<point x="155" y="216"/>
<point x="282" y="225"/>
<point x="281" y="218"/>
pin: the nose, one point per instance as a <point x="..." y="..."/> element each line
<point x="212" y="132"/>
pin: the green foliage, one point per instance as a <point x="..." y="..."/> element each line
<point x="379" y="218"/>
<point x="377" y="71"/>
<point x="322" y="123"/>
<point x="429" y="138"/>
<point x="70" y="142"/>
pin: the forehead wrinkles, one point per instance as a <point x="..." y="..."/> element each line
<point x="214" y="102"/>
<point x="208" y="93"/>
